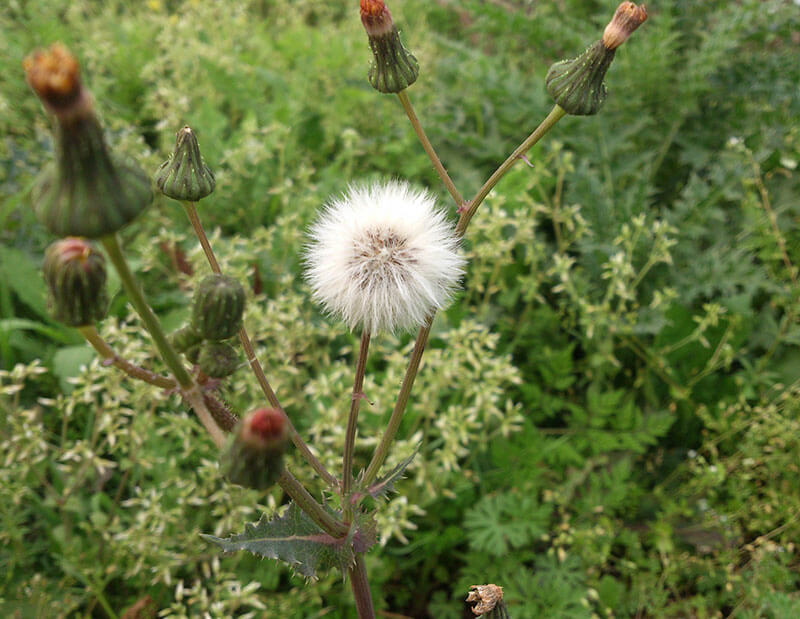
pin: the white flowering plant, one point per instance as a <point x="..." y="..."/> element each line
<point x="381" y="258"/>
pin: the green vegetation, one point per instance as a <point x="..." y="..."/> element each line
<point x="607" y="416"/>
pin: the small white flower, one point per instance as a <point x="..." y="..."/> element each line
<point x="383" y="257"/>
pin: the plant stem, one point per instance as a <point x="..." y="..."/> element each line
<point x="382" y="450"/>
<point x="310" y="506"/>
<point x="134" y="371"/>
<point x="352" y="419"/>
<point x="360" y="585"/>
<point x="437" y="164"/>
<point x="552" y="118"/>
<point x="224" y="417"/>
<point x="255" y="366"/>
<point x="153" y="326"/>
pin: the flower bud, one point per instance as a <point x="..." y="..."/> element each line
<point x="184" y="338"/>
<point x="255" y="456"/>
<point x="185" y="176"/>
<point x="87" y="192"/>
<point x="217" y="359"/>
<point x="393" y="67"/>
<point x="76" y="276"/>
<point x="577" y="85"/>
<point x="217" y="307"/>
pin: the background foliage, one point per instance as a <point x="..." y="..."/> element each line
<point x="608" y="416"/>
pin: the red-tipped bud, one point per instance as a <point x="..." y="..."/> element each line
<point x="54" y="75"/>
<point x="76" y="276"/>
<point x="393" y="67"/>
<point x="627" y="18"/>
<point x="255" y="457"/>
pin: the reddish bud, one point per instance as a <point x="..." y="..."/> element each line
<point x="376" y="17"/>
<point x="255" y="457"/>
<point x="627" y="18"/>
<point x="54" y="75"/>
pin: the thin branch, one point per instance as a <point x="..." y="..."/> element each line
<point x="352" y="421"/>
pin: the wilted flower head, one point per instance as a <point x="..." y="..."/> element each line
<point x="383" y="257"/>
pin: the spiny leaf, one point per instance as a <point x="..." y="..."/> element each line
<point x="382" y="486"/>
<point x="294" y="539"/>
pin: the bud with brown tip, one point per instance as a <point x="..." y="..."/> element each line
<point x="393" y="67"/>
<point x="488" y="601"/>
<point x="577" y="85"/>
<point x="255" y="456"/>
<point x="75" y="274"/>
<point x="185" y="176"/>
<point x="88" y="192"/>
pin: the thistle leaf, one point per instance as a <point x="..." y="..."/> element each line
<point x="294" y="539"/>
<point x="384" y="485"/>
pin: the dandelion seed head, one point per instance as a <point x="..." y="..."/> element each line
<point x="383" y="257"/>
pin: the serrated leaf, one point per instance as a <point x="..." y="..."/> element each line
<point x="384" y="485"/>
<point x="294" y="539"/>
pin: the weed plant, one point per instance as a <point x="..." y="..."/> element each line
<point x="605" y="422"/>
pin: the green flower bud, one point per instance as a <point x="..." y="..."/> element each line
<point x="254" y="458"/>
<point x="184" y="338"/>
<point x="185" y="176"/>
<point x="75" y="274"/>
<point x="393" y="67"/>
<point x="217" y="359"/>
<point x="87" y="191"/>
<point x="217" y="308"/>
<point x="577" y="85"/>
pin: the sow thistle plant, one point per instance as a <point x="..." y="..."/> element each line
<point x="380" y="258"/>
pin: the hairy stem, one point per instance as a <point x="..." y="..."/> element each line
<point x="310" y="506"/>
<point x="352" y="419"/>
<point x="255" y="366"/>
<point x="134" y="371"/>
<point x="382" y="450"/>
<point x="552" y="118"/>
<point x="437" y="164"/>
<point x="188" y="387"/>
<point x="360" y="585"/>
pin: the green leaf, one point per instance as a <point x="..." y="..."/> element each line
<point x="68" y="361"/>
<point x="384" y="485"/>
<point x="294" y="539"/>
<point x="24" y="278"/>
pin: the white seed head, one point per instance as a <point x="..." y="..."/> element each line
<point x="383" y="257"/>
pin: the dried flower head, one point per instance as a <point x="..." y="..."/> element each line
<point x="383" y="257"/>
<point x="627" y="18"/>
<point x="486" y="598"/>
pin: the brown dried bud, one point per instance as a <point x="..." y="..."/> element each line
<point x="487" y="598"/>
<point x="54" y="75"/>
<point x="627" y="18"/>
<point x="393" y="67"/>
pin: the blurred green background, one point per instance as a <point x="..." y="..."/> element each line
<point x="609" y="413"/>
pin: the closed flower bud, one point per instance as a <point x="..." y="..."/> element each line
<point x="217" y="359"/>
<point x="255" y="456"/>
<point x="185" y="176"/>
<point x="87" y="192"/>
<point x="577" y="85"/>
<point x="217" y="308"/>
<point x="393" y="67"/>
<point x="184" y="338"/>
<point x="76" y="276"/>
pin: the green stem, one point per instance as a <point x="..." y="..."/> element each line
<point x="255" y="366"/>
<point x="134" y="371"/>
<point x="437" y="164"/>
<point x="310" y="506"/>
<point x="189" y="389"/>
<point x="382" y="450"/>
<point x="360" y="586"/>
<point x="352" y="422"/>
<point x="556" y="114"/>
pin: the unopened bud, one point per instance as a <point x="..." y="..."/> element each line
<point x="255" y="456"/>
<point x="75" y="274"/>
<point x="217" y="307"/>
<point x="217" y="359"/>
<point x="393" y="67"/>
<point x="88" y="192"/>
<point x="577" y="85"/>
<point x="185" y="338"/>
<point x="185" y="176"/>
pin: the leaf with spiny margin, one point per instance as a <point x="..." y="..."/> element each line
<point x="384" y="485"/>
<point x="294" y="539"/>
